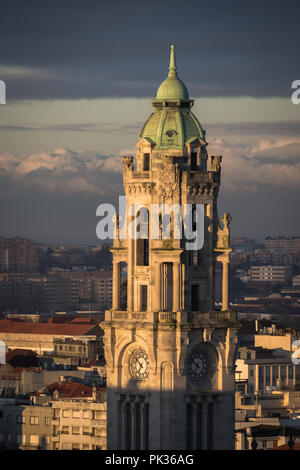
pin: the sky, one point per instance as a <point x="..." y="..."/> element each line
<point x="80" y="77"/>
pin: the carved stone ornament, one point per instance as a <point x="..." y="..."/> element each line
<point x="168" y="177"/>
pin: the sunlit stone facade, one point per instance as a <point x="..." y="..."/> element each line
<point x="169" y="353"/>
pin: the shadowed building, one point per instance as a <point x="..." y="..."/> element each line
<point x="169" y="353"/>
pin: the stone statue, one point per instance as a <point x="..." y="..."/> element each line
<point x="224" y="233"/>
<point x="216" y="163"/>
<point x="128" y="161"/>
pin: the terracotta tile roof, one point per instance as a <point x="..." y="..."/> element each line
<point x="72" y="389"/>
<point x="35" y="328"/>
<point x="286" y="447"/>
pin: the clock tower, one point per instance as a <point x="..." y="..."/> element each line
<point x="169" y="351"/>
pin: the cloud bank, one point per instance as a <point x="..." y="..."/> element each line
<point x="53" y="196"/>
<point x="275" y="163"/>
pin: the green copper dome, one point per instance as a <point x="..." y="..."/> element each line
<point x="172" y="88"/>
<point x="172" y="124"/>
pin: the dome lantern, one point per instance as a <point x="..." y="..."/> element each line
<point x="172" y="125"/>
<point x="172" y="88"/>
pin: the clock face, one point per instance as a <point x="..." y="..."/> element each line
<point x="138" y="365"/>
<point x="198" y="365"/>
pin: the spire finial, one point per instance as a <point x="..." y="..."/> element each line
<point x="172" y="68"/>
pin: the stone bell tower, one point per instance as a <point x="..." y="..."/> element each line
<point x="169" y="352"/>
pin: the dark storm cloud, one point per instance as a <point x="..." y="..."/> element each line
<point x="269" y="128"/>
<point x="73" y="127"/>
<point x="257" y="128"/>
<point x="114" y="49"/>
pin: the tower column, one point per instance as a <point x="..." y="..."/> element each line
<point x="176" y="287"/>
<point x="130" y="270"/>
<point x="225" y="284"/>
<point x="157" y="301"/>
<point x="116" y="286"/>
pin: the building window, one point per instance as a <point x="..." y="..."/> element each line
<point x="21" y="419"/>
<point x="97" y="432"/>
<point x="138" y="432"/>
<point x="194" y="218"/>
<point x="34" y="439"/>
<point x="283" y="372"/>
<point x="194" y="425"/>
<point x="76" y="430"/>
<point x="34" y="420"/>
<point x="146" y="162"/>
<point x="195" y="297"/>
<point x="86" y="431"/>
<point x="275" y="374"/>
<point x="143" y="298"/>
<point x="142" y="234"/>
<point x="65" y="430"/>
<point x="86" y="415"/>
<point x="76" y="414"/>
<point x="47" y="421"/>
<point x="75" y="446"/>
<point x="85" y="446"/>
<point x="193" y="161"/>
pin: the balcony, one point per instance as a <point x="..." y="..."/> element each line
<point x="140" y="174"/>
<point x="210" y="318"/>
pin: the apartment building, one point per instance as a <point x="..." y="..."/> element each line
<point x="75" y="352"/>
<point x="271" y="274"/>
<point x="25" y="427"/>
<point x="18" y="255"/>
<point x="283" y="244"/>
<point x="66" y="416"/>
<point x="94" y="287"/>
<point x="79" y="423"/>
